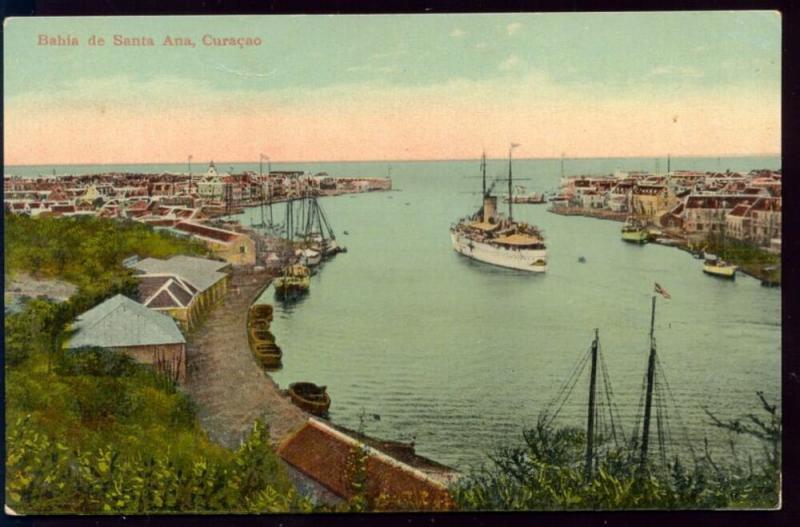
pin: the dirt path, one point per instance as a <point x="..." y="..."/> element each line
<point x="224" y="379"/>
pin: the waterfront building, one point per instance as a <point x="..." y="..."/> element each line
<point x="321" y="458"/>
<point x="737" y="222"/>
<point x="209" y="281"/>
<point x="651" y="201"/>
<point x="234" y="247"/>
<point x="125" y="326"/>
<point x="765" y="221"/>
<point x="170" y="295"/>
<point x="705" y="214"/>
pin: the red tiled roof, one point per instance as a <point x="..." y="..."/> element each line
<point x="330" y="456"/>
<point x="767" y="204"/>
<point x="740" y="210"/>
<point x="207" y="232"/>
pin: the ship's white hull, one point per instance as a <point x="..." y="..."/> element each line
<point x="532" y="260"/>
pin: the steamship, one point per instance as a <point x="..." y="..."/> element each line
<point x="489" y="237"/>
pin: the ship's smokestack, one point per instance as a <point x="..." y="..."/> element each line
<point x="490" y="209"/>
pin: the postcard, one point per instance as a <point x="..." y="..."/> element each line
<point x="463" y="262"/>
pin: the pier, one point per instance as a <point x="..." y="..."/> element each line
<point x="223" y="378"/>
<point x="589" y="213"/>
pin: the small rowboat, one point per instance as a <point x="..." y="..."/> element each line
<point x="262" y="341"/>
<point x="269" y="353"/>
<point x="260" y="313"/>
<point x="310" y="397"/>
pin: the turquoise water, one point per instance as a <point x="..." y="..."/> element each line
<point x="460" y="356"/>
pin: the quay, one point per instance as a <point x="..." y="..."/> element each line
<point x="223" y="378"/>
<point x="231" y="391"/>
<point x="589" y="213"/>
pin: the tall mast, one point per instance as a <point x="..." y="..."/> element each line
<point x="591" y="413"/>
<point x="483" y="172"/>
<point x="668" y="163"/>
<point x="510" y="194"/>
<point x="648" y="401"/>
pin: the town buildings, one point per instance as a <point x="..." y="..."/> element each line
<point x="690" y="204"/>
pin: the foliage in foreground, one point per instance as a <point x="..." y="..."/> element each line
<point x="90" y="431"/>
<point x="101" y="434"/>
<point x="547" y="473"/>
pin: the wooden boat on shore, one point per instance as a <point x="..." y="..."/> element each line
<point x="310" y="397"/>
<point x="261" y="340"/>
<point x="260" y="314"/>
<point x="268" y="353"/>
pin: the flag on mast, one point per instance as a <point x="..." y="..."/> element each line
<point x="661" y="291"/>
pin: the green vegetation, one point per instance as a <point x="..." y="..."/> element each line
<point x="85" y="250"/>
<point x="90" y="431"/>
<point x="547" y="473"/>
<point x="748" y="257"/>
<point x="101" y="434"/>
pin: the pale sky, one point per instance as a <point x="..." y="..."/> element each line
<point x="395" y="87"/>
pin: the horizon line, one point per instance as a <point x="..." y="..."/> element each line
<point x="256" y="162"/>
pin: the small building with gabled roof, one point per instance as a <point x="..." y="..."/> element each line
<point x="126" y="326"/>
<point x="182" y="286"/>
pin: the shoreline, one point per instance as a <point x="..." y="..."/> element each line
<point x="757" y="273"/>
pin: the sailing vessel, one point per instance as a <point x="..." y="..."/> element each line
<point x="491" y="238"/>
<point x="716" y="266"/>
<point x="318" y="233"/>
<point x="635" y="231"/>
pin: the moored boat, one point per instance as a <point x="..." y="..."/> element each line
<point x="635" y="231"/>
<point x="294" y="280"/>
<point x="310" y="397"/>
<point x="523" y="197"/>
<point x="261" y="340"/>
<point x="716" y="266"/>
<point x="309" y="257"/>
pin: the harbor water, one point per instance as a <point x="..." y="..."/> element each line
<point x="418" y="343"/>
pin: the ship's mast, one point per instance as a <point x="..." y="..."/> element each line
<point x="510" y="191"/>
<point x="648" y="401"/>
<point x="483" y="172"/>
<point x="592" y="410"/>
